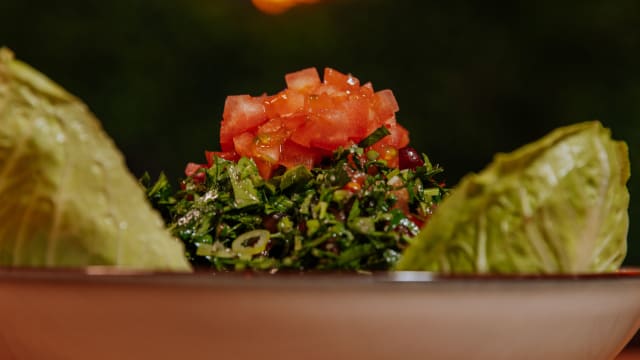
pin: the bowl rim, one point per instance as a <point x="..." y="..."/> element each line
<point x="202" y="277"/>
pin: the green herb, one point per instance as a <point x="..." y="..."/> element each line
<point x="302" y="219"/>
<point x="376" y="136"/>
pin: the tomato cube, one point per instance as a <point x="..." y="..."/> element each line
<point x="265" y="168"/>
<point x="385" y="103"/>
<point x="399" y="136"/>
<point x="193" y="168"/>
<point x="304" y="80"/>
<point x="356" y="121"/>
<point x="285" y="103"/>
<point x="241" y="113"/>
<point x="308" y="120"/>
<point x="244" y="144"/>
<point x="227" y="155"/>
<point x="339" y="80"/>
<point x="294" y="155"/>
<point x="295" y="121"/>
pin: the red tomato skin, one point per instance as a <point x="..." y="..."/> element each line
<point x="304" y="80"/>
<point x="192" y="168"/>
<point x="227" y="155"/>
<point x="385" y="104"/>
<point x="241" y="113"/>
<point x="398" y="137"/>
<point x="226" y="144"/>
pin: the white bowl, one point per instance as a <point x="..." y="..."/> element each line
<point x="98" y="313"/>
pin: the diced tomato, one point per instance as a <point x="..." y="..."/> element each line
<point x="265" y="168"/>
<point x="373" y="121"/>
<point x="317" y="103"/>
<point x="339" y="80"/>
<point x="332" y="141"/>
<point x="303" y="80"/>
<point x="199" y="177"/>
<point x="227" y="155"/>
<point x="281" y="128"/>
<point x="269" y="139"/>
<point x="241" y="113"/>
<point x="285" y="103"/>
<point x="275" y="126"/>
<point x="244" y="144"/>
<point x="357" y="123"/>
<point x="345" y="123"/>
<point x="294" y="154"/>
<point x="367" y="88"/>
<point x="330" y="90"/>
<point x="225" y="144"/>
<point x="192" y="168"/>
<point x="399" y="136"/>
<point x="388" y="146"/>
<point x="268" y="151"/>
<point x="295" y="121"/>
<point x="303" y="135"/>
<point x="327" y="131"/>
<point x="385" y="104"/>
<point x="309" y="120"/>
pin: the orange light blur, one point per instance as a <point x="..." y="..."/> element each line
<point x="275" y="7"/>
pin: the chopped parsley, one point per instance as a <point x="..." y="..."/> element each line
<point x="353" y="213"/>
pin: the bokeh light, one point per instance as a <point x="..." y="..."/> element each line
<point x="275" y="7"/>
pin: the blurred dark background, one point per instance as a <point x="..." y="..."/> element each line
<point x="472" y="78"/>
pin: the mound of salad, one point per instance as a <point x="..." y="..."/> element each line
<point x="321" y="177"/>
<point x="318" y="176"/>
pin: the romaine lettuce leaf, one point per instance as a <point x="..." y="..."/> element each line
<point x="558" y="205"/>
<point x="68" y="199"/>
